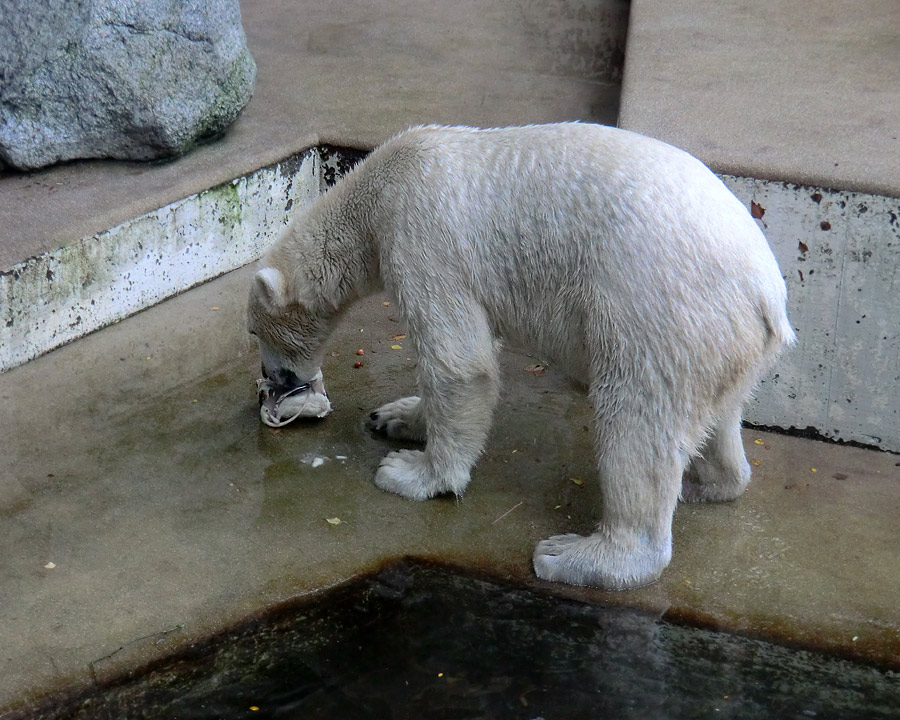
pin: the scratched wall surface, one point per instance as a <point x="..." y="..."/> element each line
<point x="840" y="255"/>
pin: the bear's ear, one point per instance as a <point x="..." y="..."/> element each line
<point x="270" y="287"/>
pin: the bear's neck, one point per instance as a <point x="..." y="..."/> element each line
<point x="342" y="246"/>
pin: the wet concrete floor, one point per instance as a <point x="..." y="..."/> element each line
<point x="143" y="506"/>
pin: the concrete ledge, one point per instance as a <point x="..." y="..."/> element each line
<point x="799" y="92"/>
<point x="60" y="296"/>
<point x="349" y="77"/>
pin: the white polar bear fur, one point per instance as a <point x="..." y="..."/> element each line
<point x="621" y="259"/>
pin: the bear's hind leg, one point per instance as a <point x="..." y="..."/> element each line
<point x="721" y="471"/>
<point x="640" y="476"/>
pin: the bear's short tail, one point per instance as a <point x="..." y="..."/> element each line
<point x="779" y="333"/>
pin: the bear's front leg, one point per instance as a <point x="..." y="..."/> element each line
<point x="406" y="473"/>
<point x="457" y="414"/>
<point x="459" y="383"/>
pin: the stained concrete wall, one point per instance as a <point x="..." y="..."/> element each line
<point x="839" y="252"/>
<point x="60" y="296"/>
<point x="784" y="104"/>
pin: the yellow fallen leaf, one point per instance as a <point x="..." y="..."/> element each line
<point x="813" y="470"/>
<point x="214" y="307"/>
<point x="578" y="481"/>
<point x="396" y="347"/>
<point x="333" y="521"/>
<point x="386" y="304"/>
<point x="759" y="442"/>
<point x="401" y="336"/>
<point x="754" y="462"/>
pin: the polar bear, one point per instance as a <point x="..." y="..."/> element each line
<point x="619" y="258"/>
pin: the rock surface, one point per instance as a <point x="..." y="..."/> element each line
<point x="118" y="78"/>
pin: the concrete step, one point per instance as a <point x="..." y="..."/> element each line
<point x="87" y="243"/>
<point x="64" y="294"/>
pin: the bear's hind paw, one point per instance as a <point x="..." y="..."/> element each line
<point x="596" y="561"/>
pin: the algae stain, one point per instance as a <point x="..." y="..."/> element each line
<point x="225" y="203"/>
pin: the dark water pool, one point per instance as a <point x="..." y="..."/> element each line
<point x="419" y="642"/>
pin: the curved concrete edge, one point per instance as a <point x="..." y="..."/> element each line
<point x="60" y="296"/>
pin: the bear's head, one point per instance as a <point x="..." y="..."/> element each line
<point x="290" y="331"/>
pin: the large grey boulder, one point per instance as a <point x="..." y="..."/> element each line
<point x="128" y="79"/>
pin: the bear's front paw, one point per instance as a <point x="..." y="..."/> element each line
<point x="401" y="420"/>
<point x="404" y="473"/>
<point x="597" y="561"/>
<point x="408" y="473"/>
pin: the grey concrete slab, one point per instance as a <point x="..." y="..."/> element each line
<point x="143" y="505"/>
<point x="838" y="253"/>
<point x="352" y="74"/>
<point x="803" y="92"/>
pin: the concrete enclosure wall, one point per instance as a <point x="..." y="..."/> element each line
<point x="839" y="252"/>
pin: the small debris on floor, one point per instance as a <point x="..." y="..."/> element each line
<point x="507" y="512"/>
